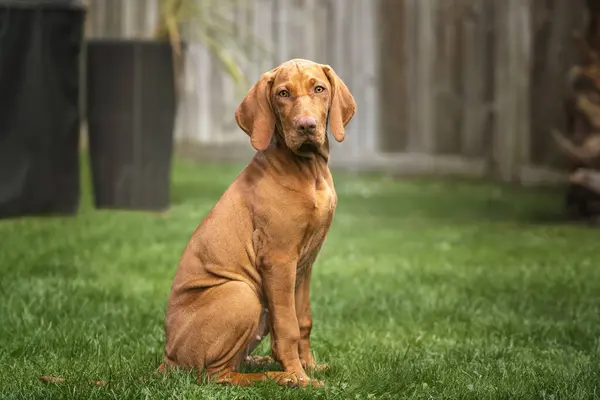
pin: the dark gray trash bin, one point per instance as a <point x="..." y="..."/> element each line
<point x="40" y="43"/>
<point x="131" y="116"/>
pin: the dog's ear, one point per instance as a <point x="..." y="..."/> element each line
<point x="342" y="106"/>
<point x="255" y="114"/>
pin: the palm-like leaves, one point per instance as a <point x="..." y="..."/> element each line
<point x="210" y="22"/>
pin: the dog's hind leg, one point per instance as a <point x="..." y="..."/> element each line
<point x="215" y="333"/>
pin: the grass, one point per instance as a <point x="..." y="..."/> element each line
<point x="425" y="289"/>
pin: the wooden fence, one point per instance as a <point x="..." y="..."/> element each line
<point x="467" y="87"/>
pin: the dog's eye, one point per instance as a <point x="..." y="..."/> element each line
<point x="283" y="93"/>
<point x="319" y="89"/>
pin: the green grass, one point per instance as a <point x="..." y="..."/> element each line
<point x="425" y="289"/>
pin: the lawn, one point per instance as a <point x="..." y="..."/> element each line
<point x="424" y="289"/>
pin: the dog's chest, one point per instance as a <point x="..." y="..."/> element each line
<point x="319" y="217"/>
<point x="324" y="201"/>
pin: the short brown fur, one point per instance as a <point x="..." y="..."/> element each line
<point x="246" y="269"/>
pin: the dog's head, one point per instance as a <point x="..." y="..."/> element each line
<point x="297" y="100"/>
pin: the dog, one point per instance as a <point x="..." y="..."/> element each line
<point x="246" y="269"/>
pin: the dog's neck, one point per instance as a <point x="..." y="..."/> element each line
<point x="284" y="161"/>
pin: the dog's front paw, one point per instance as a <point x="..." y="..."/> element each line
<point x="304" y="381"/>
<point x="311" y="382"/>
<point x="309" y="364"/>
<point x="316" y="367"/>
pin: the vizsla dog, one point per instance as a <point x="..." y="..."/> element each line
<point x="246" y="269"/>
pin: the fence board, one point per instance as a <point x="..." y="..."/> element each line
<point x="264" y="35"/>
<point x="353" y="77"/>
<point x="118" y="18"/>
<point x="511" y="86"/>
<point x="480" y="80"/>
<point x="322" y="45"/>
<point x="394" y="94"/>
<point x="448" y="75"/>
<point x="422" y="137"/>
<point x="475" y="108"/>
<point x="339" y="14"/>
<point x="370" y="85"/>
<point x="282" y="42"/>
<point x="556" y="51"/>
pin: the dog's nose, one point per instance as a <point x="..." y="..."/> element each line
<point x="306" y="124"/>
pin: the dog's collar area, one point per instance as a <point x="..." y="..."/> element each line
<point x="307" y="150"/>
<point x="308" y="147"/>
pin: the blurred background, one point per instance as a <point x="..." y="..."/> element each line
<point x="453" y="268"/>
<point x="456" y="87"/>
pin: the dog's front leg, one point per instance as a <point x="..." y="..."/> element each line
<point x="305" y="323"/>
<point x="304" y="320"/>
<point x="279" y="282"/>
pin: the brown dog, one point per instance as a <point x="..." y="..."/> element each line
<point x="246" y="269"/>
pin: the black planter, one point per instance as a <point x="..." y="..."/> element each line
<point x="131" y="117"/>
<point x="40" y="43"/>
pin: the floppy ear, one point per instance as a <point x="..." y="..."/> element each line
<point x="342" y="106"/>
<point x="255" y="115"/>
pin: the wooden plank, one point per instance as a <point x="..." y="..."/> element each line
<point x="448" y="77"/>
<point x="241" y="15"/>
<point x="522" y="53"/>
<point x="491" y="37"/>
<point x="295" y="34"/>
<point x="99" y="9"/>
<point x="512" y="86"/>
<point x="281" y="22"/>
<point x="320" y="42"/>
<point x="301" y="29"/>
<point x="117" y="18"/>
<point x="393" y="85"/>
<point x="370" y="85"/>
<point x="555" y="52"/>
<point x="202" y="67"/>
<point x="338" y="16"/>
<point x="149" y="19"/>
<point x="226" y="99"/>
<point x="189" y="123"/>
<point x="356" y="129"/>
<point x="412" y="69"/>
<point x="422" y="139"/>
<point x="476" y="108"/>
<point x="218" y="105"/>
<point x="504" y="134"/>
<point x="114" y="26"/>
<point x="130" y="9"/>
<point x="263" y="30"/>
